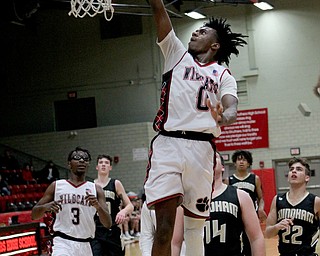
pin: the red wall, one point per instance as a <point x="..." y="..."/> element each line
<point x="268" y="181"/>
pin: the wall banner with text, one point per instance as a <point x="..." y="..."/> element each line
<point x="250" y="131"/>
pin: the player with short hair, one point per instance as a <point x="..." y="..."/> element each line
<point x="75" y="202"/>
<point x="231" y="214"/>
<point x="249" y="182"/>
<point x="107" y="242"/>
<point x="294" y="216"/>
<point x="198" y="95"/>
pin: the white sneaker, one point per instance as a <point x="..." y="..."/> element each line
<point x="137" y="234"/>
<point x="127" y="237"/>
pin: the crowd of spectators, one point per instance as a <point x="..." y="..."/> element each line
<point x="13" y="174"/>
<point x="131" y="227"/>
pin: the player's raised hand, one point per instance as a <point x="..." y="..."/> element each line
<point x="284" y="224"/>
<point x="54" y="206"/>
<point x="216" y="111"/>
<point x="93" y="201"/>
<point x="121" y="217"/>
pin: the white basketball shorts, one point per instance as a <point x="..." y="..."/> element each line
<point x="181" y="167"/>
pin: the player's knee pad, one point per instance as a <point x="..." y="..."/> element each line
<point x="193" y="235"/>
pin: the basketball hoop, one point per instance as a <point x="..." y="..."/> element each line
<point x="81" y="8"/>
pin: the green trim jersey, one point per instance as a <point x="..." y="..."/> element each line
<point x="224" y="227"/>
<point x="112" y="200"/>
<point x="302" y="237"/>
<point x="247" y="184"/>
<point x="108" y="241"/>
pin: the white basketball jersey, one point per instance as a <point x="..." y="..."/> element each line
<point x="76" y="218"/>
<point x="186" y="84"/>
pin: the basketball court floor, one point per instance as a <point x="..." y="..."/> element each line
<point x="132" y="249"/>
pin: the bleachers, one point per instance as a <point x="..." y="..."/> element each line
<point x="22" y="197"/>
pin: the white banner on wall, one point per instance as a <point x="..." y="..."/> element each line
<point x="140" y="154"/>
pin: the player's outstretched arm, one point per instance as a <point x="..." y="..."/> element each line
<point x="230" y="106"/>
<point x="271" y="230"/>
<point x="161" y="17"/>
<point x="101" y="206"/>
<point x="251" y="224"/>
<point x="46" y="203"/>
<point x="128" y="206"/>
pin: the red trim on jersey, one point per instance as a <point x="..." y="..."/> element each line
<point x="192" y="215"/>
<point x="179" y="61"/>
<point x="151" y="205"/>
<point x="224" y="72"/>
<point x="76" y="186"/>
<point x="204" y="65"/>
<point x="149" y="158"/>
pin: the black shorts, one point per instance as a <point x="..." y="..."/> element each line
<point x="107" y="242"/>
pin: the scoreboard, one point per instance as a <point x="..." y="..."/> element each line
<point x="20" y="239"/>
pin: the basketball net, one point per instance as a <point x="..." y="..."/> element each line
<point x="81" y="8"/>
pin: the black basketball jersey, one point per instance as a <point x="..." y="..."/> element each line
<point x="112" y="200"/>
<point x="224" y="227"/>
<point x="248" y="184"/>
<point x="109" y="239"/>
<point x="301" y="238"/>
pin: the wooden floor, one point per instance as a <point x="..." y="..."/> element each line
<point x="132" y="249"/>
<point x="271" y="248"/>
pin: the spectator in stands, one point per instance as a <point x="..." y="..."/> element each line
<point x="9" y="162"/>
<point x="134" y="222"/>
<point x="4" y="187"/>
<point x="129" y="226"/>
<point x="49" y="173"/>
<point x="27" y="174"/>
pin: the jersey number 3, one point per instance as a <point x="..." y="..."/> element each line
<point x="76" y="216"/>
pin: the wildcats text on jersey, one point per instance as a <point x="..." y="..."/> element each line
<point x="299" y="214"/>
<point x="73" y="199"/>
<point x="224" y="206"/>
<point x="192" y="75"/>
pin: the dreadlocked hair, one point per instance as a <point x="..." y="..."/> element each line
<point x="228" y="41"/>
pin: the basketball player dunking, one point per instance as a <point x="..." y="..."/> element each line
<point x="180" y="168"/>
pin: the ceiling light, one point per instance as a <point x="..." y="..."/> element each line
<point x="264" y="5"/>
<point x="195" y="15"/>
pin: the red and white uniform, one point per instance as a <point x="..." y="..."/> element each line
<point x="75" y="219"/>
<point x="184" y="90"/>
<point x="178" y="166"/>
